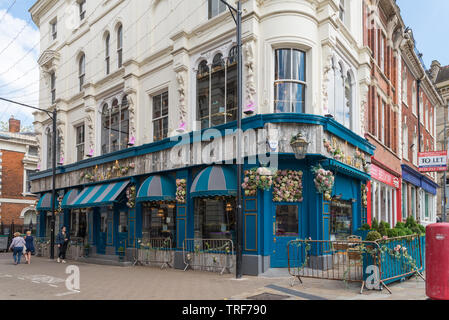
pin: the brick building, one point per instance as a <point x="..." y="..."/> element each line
<point x="395" y="119"/>
<point x="383" y="34"/>
<point x="18" y="159"/>
<point x="440" y="77"/>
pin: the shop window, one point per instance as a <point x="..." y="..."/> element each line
<point x="290" y="81"/>
<point x="427" y="207"/>
<point x="404" y="200"/>
<point x="215" y="218"/>
<point x="123" y="222"/>
<point x="413" y="202"/>
<point x="217" y="90"/>
<point x="341" y="219"/>
<point x="160" y="116"/>
<point x="159" y="220"/>
<point x="78" y="223"/>
<point x="287" y="223"/>
<point x="215" y="7"/>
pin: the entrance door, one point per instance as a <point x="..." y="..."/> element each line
<point x="103" y="231"/>
<point x="286" y="219"/>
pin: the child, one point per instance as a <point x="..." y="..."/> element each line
<point x="17" y="245"/>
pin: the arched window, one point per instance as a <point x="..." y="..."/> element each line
<point x="414" y="98"/>
<point x="120" y="46"/>
<point x="115" y="126"/>
<point x="82" y="70"/>
<point x="107" y="50"/>
<point x="404" y="87"/>
<point x="217" y="90"/>
<point x="405" y="141"/>
<point x="348" y="101"/>
<point x="290" y="81"/>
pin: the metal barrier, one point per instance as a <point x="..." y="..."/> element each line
<point x="208" y="254"/>
<point x="400" y="258"/>
<point x="154" y="251"/>
<point x="42" y="246"/>
<point x="348" y="260"/>
<point x="75" y="248"/>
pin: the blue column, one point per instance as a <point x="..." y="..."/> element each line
<point x="184" y="213"/>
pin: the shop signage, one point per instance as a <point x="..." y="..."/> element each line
<point x="383" y="176"/>
<point x="432" y="161"/>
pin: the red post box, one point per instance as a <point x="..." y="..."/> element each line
<point x="437" y="261"/>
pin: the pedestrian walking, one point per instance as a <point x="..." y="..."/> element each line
<point x="29" y="242"/>
<point x="62" y="240"/>
<point x="17" y="245"/>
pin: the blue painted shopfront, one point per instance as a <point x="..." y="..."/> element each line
<point x="263" y="245"/>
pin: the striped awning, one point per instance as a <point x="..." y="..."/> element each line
<point x="44" y="203"/>
<point x="69" y="198"/>
<point x="215" y="181"/>
<point x="157" y="188"/>
<point x="98" y="195"/>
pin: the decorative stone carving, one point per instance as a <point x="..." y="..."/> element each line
<point x="181" y="79"/>
<point x="61" y="144"/>
<point x="325" y="91"/>
<point x="132" y="120"/>
<point x="90" y="132"/>
<point x="248" y="50"/>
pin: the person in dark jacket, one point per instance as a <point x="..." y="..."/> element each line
<point x="62" y="240"/>
<point x="29" y="242"/>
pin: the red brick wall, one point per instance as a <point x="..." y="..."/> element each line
<point x="12" y="186"/>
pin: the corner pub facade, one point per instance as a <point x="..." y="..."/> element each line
<point x="147" y="119"/>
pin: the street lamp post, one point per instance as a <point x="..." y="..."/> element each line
<point x="52" y="116"/>
<point x="237" y="15"/>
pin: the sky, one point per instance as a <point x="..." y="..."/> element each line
<point x="19" y="48"/>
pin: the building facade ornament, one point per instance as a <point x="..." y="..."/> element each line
<point x="248" y="51"/>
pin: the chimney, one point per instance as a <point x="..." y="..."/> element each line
<point x="435" y="70"/>
<point x="14" y="125"/>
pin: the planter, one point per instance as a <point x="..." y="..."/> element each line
<point x="354" y="255"/>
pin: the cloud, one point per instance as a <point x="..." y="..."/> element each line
<point x="16" y="61"/>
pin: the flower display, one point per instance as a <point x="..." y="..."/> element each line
<point x="324" y="181"/>
<point x="287" y="186"/>
<point x="59" y="208"/>
<point x="131" y="196"/>
<point x="364" y="196"/>
<point x="181" y="190"/>
<point x="257" y="178"/>
<point x="116" y="169"/>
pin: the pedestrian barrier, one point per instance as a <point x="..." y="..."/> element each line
<point x="154" y="251"/>
<point x="349" y="260"/>
<point x="400" y="258"/>
<point x="208" y="254"/>
<point x="75" y="248"/>
<point x="42" y="246"/>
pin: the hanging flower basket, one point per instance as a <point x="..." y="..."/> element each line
<point x="181" y="190"/>
<point x="257" y="178"/>
<point x="131" y="196"/>
<point x="324" y="181"/>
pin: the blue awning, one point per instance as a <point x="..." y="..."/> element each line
<point x="44" y="203"/>
<point x="345" y="169"/>
<point x="215" y="181"/>
<point x="99" y="195"/>
<point x="69" y="198"/>
<point x="157" y="188"/>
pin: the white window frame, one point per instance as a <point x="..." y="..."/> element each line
<point x="54" y="29"/>
<point x="221" y="7"/>
<point x="153" y="120"/>
<point x="82" y="71"/>
<point x="53" y="87"/>
<point x="82" y="9"/>
<point x="79" y="144"/>
<point x="107" y="50"/>
<point x="120" y="46"/>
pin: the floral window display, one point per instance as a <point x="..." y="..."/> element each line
<point x="287" y="186"/>
<point x="181" y="190"/>
<point x="131" y="196"/>
<point x="324" y="181"/>
<point x="364" y="195"/>
<point x="257" y="178"/>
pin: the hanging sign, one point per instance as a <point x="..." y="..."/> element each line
<point x="432" y="161"/>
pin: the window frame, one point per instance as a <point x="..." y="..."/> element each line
<point x="120" y="46"/>
<point x="221" y="8"/>
<point x="53" y="87"/>
<point x="303" y="83"/>
<point x="107" y="53"/>
<point x="82" y="9"/>
<point x="122" y="109"/>
<point x="54" y="29"/>
<point x="80" y="145"/>
<point x="162" y="116"/>
<point x="82" y="71"/>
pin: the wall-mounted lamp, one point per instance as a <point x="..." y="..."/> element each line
<point x="299" y="145"/>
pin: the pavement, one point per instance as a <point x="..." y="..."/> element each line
<point x="45" y="279"/>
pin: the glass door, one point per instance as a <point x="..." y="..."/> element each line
<point x="285" y="229"/>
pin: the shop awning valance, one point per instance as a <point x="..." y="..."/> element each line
<point x="157" y="188"/>
<point x="44" y="203"/>
<point x="69" y="198"/>
<point x="99" y="195"/>
<point x="215" y="181"/>
<point x="345" y="169"/>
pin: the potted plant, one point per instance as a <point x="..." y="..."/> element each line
<point x="121" y="254"/>
<point x="86" y="249"/>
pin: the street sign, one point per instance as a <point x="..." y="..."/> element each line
<point x="434" y="161"/>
